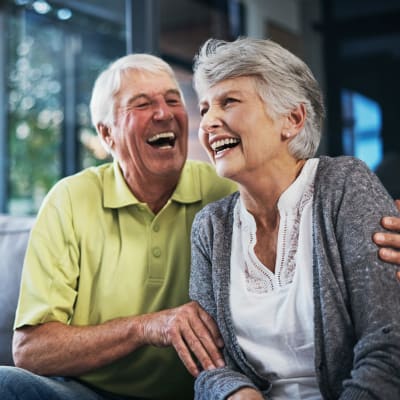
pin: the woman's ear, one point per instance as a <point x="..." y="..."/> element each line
<point x="105" y="133"/>
<point x="295" y="121"/>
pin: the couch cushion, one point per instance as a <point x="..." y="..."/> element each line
<point x="14" y="234"/>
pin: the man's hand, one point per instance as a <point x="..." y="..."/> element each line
<point x="389" y="241"/>
<point x="54" y="348"/>
<point x="190" y="330"/>
<point x="246" y="394"/>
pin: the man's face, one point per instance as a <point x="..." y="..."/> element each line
<point x="150" y="131"/>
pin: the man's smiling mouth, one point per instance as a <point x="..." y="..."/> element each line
<point x="223" y="144"/>
<point x="162" y="140"/>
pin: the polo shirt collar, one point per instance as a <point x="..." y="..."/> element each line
<point x="189" y="186"/>
<point x="117" y="193"/>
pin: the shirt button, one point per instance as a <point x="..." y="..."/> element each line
<point x="156" y="252"/>
<point x="156" y="227"/>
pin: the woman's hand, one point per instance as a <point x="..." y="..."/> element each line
<point x="389" y="242"/>
<point x="246" y="394"/>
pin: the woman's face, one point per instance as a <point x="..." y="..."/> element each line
<point x="236" y="131"/>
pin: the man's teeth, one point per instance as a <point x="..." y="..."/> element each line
<point x="224" y="143"/>
<point x="163" y="135"/>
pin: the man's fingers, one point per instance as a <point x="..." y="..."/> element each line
<point x="390" y="256"/>
<point x="185" y="356"/>
<point x="212" y="327"/>
<point x="193" y="332"/>
<point x="398" y="204"/>
<point x="188" y="340"/>
<point x="202" y="344"/>
<point x="389" y="243"/>
<point x="385" y="239"/>
<point x="200" y="348"/>
<point x="208" y="335"/>
<point x="391" y="223"/>
<point x="203" y="338"/>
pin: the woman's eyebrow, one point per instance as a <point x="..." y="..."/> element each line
<point x="222" y="94"/>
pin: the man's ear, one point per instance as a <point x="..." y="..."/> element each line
<point x="104" y="132"/>
<point x="295" y="121"/>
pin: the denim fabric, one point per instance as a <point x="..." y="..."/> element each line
<point x="19" y="384"/>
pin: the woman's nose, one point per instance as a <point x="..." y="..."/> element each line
<point x="210" y="120"/>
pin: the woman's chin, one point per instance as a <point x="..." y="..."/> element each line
<point x="224" y="171"/>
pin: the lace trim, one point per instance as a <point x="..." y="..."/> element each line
<point x="288" y="272"/>
<point x="259" y="279"/>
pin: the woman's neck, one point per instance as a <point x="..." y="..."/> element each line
<point x="260" y="195"/>
<point x="261" y="200"/>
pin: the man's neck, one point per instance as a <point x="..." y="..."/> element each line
<point x="154" y="192"/>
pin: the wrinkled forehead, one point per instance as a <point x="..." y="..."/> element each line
<point x="135" y="82"/>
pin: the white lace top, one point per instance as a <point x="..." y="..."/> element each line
<point x="273" y="312"/>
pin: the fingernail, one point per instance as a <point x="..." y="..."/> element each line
<point x="379" y="237"/>
<point x="220" y="363"/>
<point x="385" y="252"/>
<point x="388" y="221"/>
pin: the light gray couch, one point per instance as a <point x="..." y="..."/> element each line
<point x="14" y="234"/>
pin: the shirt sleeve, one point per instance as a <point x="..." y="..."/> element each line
<point x="367" y="285"/>
<point x="51" y="271"/>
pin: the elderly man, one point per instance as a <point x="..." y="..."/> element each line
<point x="103" y="310"/>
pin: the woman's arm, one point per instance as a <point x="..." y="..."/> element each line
<point x="369" y="287"/>
<point x="246" y="394"/>
<point x="217" y="383"/>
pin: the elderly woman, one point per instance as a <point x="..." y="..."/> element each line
<point x="286" y="266"/>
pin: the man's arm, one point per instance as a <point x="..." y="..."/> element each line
<point x="55" y="348"/>
<point x="390" y="242"/>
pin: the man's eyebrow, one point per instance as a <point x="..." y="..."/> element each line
<point x="148" y="96"/>
<point x="173" y="91"/>
<point x="132" y="99"/>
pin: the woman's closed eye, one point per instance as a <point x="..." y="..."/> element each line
<point x="229" y="100"/>
<point x="203" y="111"/>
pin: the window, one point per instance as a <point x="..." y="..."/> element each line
<point x="53" y="56"/>
<point x="362" y="128"/>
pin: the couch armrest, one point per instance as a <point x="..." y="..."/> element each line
<point x="14" y="235"/>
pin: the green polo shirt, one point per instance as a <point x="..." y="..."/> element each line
<point x="97" y="253"/>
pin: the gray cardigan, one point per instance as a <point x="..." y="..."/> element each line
<point x="356" y="296"/>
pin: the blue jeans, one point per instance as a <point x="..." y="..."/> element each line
<point x="19" y="384"/>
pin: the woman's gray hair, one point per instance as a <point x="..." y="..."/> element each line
<point x="108" y="83"/>
<point x="283" y="81"/>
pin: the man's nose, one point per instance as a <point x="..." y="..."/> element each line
<point x="162" y="111"/>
